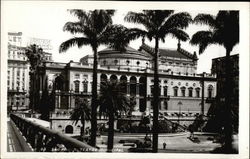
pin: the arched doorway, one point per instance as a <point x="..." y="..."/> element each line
<point x="69" y="129"/>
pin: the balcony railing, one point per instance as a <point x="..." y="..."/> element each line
<point x="43" y="139"/>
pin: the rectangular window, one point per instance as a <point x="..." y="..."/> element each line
<point x="165" y="91"/>
<point x="18" y="72"/>
<point x="209" y="93"/>
<point x="175" y="92"/>
<point x="183" y="92"/>
<point x="198" y="93"/>
<point x="77" y="87"/>
<point x="85" y="87"/>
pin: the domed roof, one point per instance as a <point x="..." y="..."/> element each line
<point x="129" y="53"/>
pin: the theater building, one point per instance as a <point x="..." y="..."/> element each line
<point x="180" y="85"/>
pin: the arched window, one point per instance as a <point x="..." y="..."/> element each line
<point x="77" y="83"/>
<point x="183" y="91"/>
<point x="210" y="91"/>
<point x="123" y="81"/>
<point x="190" y="92"/>
<point x="69" y="129"/>
<point x="175" y="91"/>
<point x="197" y="90"/>
<point x="59" y="83"/>
<point x="113" y="78"/>
<point x="104" y="78"/>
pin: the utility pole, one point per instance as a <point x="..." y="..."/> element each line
<point x="202" y="93"/>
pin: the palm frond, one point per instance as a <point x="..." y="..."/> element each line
<point x="157" y="17"/>
<point x="178" y="33"/>
<point x="80" y="14"/>
<point x="81" y="112"/>
<point x="77" y="41"/>
<point x="138" y="18"/>
<point x="101" y="19"/>
<point x="202" y="39"/>
<point x="205" y="19"/>
<point x="73" y="27"/>
<point x="178" y="20"/>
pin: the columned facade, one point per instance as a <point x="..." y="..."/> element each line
<point x="180" y="85"/>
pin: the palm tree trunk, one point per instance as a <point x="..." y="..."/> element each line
<point x="83" y="126"/>
<point x="111" y="132"/>
<point x="228" y="108"/>
<point x="156" y="97"/>
<point x="94" y="101"/>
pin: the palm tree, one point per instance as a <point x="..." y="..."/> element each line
<point x="81" y="112"/>
<point x="95" y="28"/>
<point x="35" y="55"/>
<point x="112" y="101"/>
<point x="158" y="24"/>
<point x="224" y="30"/>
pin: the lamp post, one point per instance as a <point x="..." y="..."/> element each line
<point x="179" y="104"/>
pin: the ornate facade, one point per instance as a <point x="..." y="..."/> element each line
<point x="180" y="85"/>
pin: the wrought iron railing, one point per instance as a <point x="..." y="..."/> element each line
<point x="43" y="139"/>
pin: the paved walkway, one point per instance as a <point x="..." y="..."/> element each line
<point x="13" y="145"/>
<point x="177" y="143"/>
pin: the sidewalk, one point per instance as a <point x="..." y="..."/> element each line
<point x="13" y="144"/>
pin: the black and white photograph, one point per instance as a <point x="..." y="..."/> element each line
<point x="131" y="79"/>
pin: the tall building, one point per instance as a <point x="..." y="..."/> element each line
<point x="18" y="83"/>
<point x="180" y="85"/>
<point x="218" y="69"/>
<point x="18" y="73"/>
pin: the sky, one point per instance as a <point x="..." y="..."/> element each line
<point x="47" y="21"/>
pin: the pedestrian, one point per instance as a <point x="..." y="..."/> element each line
<point x="164" y="145"/>
<point x="191" y="129"/>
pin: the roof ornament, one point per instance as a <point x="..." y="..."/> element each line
<point x="195" y="56"/>
<point x="179" y="44"/>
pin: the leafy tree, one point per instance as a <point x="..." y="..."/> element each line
<point x="95" y="28"/>
<point x="81" y="112"/>
<point x="111" y="101"/>
<point x="224" y="30"/>
<point x="157" y="25"/>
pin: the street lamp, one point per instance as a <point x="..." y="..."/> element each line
<point x="179" y="104"/>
